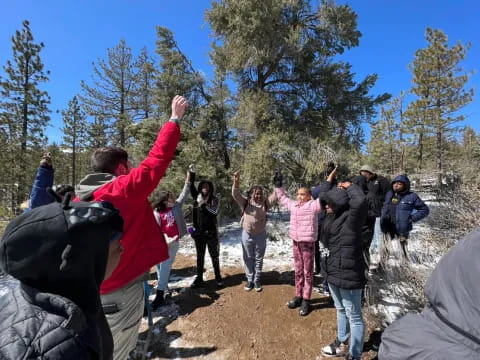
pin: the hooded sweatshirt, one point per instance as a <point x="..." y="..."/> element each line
<point x="59" y="256"/>
<point x="205" y="209"/>
<point x="408" y="208"/>
<point x="142" y="241"/>
<point x="448" y="328"/>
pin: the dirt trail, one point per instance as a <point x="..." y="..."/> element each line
<point x="233" y="324"/>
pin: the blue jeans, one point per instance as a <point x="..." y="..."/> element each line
<point x="349" y="317"/>
<point x="164" y="268"/>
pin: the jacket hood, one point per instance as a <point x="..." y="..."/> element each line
<point x="337" y="199"/>
<point x="404" y="179"/>
<point x="87" y="186"/>
<point x="210" y="186"/>
<point x="62" y="250"/>
<point x="453" y="289"/>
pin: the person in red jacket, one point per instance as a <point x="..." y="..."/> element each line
<point x="128" y="188"/>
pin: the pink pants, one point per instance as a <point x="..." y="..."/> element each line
<point x="303" y="254"/>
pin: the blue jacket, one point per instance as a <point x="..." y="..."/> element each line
<point x="410" y="209"/>
<point x="43" y="180"/>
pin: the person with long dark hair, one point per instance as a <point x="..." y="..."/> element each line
<point x="254" y="235"/>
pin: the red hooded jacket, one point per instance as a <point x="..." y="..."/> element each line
<point x="143" y="244"/>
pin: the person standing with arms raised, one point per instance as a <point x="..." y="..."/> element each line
<point x="128" y="189"/>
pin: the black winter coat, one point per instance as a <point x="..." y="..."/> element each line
<point x="36" y="325"/>
<point x="378" y="187"/>
<point x="344" y="264"/>
<point x="59" y="255"/>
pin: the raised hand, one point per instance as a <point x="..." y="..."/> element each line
<point x="278" y="179"/>
<point x="179" y="105"/>
<point x="46" y="159"/>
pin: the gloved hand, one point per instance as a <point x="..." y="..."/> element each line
<point x="384" y="226"/>
<point x="278" y="179"/>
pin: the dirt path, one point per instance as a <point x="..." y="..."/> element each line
<point x="233" y="324"/>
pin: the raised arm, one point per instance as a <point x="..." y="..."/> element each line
<point x="141" y="181"/>
<point x="193" y="189"/>
<point x="183" y="195"/>
<point x="237" y="196"/>
<point x="43" y="180"/>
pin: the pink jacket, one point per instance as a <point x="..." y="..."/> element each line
<point x="303" y="217"/>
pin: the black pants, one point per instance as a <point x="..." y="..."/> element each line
<point x="317" y="257"/>
<point x="202" y="241"/>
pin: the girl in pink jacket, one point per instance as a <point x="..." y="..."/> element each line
<point x="303" y="231"/>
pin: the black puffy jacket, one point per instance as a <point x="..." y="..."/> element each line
<point x="58" y="256"/>
<point x="342" y="234"/>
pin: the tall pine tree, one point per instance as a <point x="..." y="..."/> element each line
<point x="74" y="131"/>
<point x="439" y="83"/>
<point x="111" y="94"/>
<point x="23" y="105"/>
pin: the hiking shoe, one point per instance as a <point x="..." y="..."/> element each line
<point x="335" y="349"/>
<point x="258" y="286"/>
<point x="248" y="286"/>
<point x="295" y="302"/>
<point x="220" y="283"/>
<point x="197" y="283"/>
<point x="305" y="307"/>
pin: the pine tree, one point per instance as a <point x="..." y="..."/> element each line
<point x="97" y="133"/>
<point x="23" y="105"/>
<point x="282" y="55"/>
<point x="74" y="129"/>
<point x="439" y="83"/>
<point x="142" y="99"/>
<point x="111" y="94"/>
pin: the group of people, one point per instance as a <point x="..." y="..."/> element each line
<point x="80" y="256"/>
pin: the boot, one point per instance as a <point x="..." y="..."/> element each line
<point x="158" y="301"/>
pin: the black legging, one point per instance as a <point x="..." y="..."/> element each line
<point x="202" y="241"/>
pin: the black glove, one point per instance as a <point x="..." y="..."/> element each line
<point x="384" y="226"/>
<point x="278" y="179"/>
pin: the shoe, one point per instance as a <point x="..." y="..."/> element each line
<point x="158" y="301"/>
<point x="305" y="307"/>
<point x="197" y="283"/>
<point x="248" y="286"/>
<point x="258" y="286"/>
<point x="219" y="283"/>
<point x="321" y="290"/>
<point x="335" y="349"/>
<point x="295" y="302"/>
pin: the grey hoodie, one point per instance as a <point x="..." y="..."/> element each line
<point x="449" y="327"/>
<point x="87" y="186"/>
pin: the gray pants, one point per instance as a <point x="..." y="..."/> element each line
<point x="253" y="252"/>
<point x="125" y="322"/>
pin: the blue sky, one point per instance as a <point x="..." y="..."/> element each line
<point x="77" y="33"/>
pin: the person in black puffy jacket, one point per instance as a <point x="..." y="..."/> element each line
<point x="344" y="266"/>
<point x="55" y="258"/>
